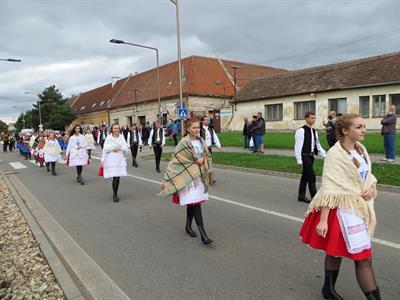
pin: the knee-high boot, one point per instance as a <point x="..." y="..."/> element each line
<point x="189" y="220"/>
<point x="198" y="217"/>
<point x="115" y="185"/>
<point x="328" y="290"/>
<point x="53" y="168"/>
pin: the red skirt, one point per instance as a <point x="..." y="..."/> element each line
<point x="333" y="244"/>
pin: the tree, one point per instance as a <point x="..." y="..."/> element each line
<point x="56" y="113"/>
<point x="3" y="126"/>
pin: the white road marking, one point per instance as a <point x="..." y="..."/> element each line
<point x="17" y="165"/>
<point x="266" y="211"/>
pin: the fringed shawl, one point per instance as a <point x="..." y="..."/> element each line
<point x="342" y="187"/>
<point x="182" y="168"/>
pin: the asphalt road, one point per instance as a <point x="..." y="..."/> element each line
<point x="253" y="219"/>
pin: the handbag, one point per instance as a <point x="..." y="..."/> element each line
<point x="101" y="170"/>
<point x="175" y="198"/>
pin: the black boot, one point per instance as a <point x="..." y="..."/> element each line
<point x="302" y="192"/>
<point x="313" y="189"/>
<point x="204" y="238"/>
<point x="134" y="163"/>
<point x="82" y="182"/>
<point x="189" y="220"/>
<point x="115" y="185"/>
<point x="328" y="290"/>
<point x="78" y="179"/>
<point x="48" y="167"/>
<point x="373" y="295"/>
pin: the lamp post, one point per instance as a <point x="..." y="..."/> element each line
<point x="10" y="59"/>
<point x="158" y="68"/>
<point x="178" y="40"/>
<point x="40" y="112"/>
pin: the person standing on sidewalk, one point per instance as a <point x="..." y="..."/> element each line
<point x="76" y="154"/>
<point x="389" y="134"/>
<point x="340" y="220"/>
<point x="113" y="158"/>
<point x="259" y="131"/>
<point x="101" y="137"/>
<point x="306" y="146"/>
<point x="175" y="131"/>
<point x="330" y="126"/>
<point x="186" y="178"/>
<point x="5" y="140"/>
<point x="135" y="143"/>
<point x="246" y="133"/>
<point x="52" y="153"/>
<point x="157" y="142"/>
<point x="90" y="142"/>
<point x="207" y="133"/>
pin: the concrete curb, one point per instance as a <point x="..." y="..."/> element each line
<point x="86" y="275"/>
<point x="70" y="289"/>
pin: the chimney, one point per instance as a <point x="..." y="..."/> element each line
<point x="114" y="80"/>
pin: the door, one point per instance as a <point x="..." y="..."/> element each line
<point x="216" y="120"/>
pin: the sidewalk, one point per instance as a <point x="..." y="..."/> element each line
<point x="375" y="158"/>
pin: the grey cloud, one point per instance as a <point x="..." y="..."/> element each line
<point x="66" y="42"/>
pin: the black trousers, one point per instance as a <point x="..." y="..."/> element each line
<point x="175" y="137"/>
<point x="134" y="151"/>
<point x="308" y="176"/>
<point x="210" y="149"/>
<point x="102" y="143"/>
<point x="5" y="146"/>
<point x="157" y="153"/>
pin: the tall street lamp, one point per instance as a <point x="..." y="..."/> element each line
<point x="178" y="39"/>
<point x="10" y="59"/>
<point x="40" y="111"/>
<point x="158" y="68"/>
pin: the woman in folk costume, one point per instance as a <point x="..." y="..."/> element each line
<point x="187" y="178"/>
<point x="341" y="218"/>
<point x="90" y="142"/>
<point x="39" y="149"/>
<point x="76" y="154"/>
<point x="113" y="158"/>
<point x="52" y="153"/>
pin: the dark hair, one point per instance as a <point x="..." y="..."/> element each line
<point x="111" y="128"/>
<point x="72" y="132"/>
<point x="308" y="114"/>
<point x="339" y="115"/>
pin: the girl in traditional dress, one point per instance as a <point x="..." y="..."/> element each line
<point x="90" y="142"/>
<point x="39" y="149"/>
<point x="187" y="178"/>
<point x="52" y="153"/>
<point x="341" y="218"/>
<point x="113" y="158"/>
<point x="76" y="154"/>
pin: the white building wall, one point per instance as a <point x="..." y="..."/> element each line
<point x="250" y="108"/>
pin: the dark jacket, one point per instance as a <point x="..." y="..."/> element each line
<point x="246" y="128"/>
<point x="260" y="126"/>
<point x="389" y="124"/>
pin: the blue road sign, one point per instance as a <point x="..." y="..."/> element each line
<point x="183" y="113"/>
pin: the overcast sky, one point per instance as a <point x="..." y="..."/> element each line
<point x="66" y="42"/>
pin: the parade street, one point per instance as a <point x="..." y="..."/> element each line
<point x="254" y="220"/>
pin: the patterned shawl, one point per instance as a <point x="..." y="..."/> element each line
<point x="341" y="186"/>
<point x="182" y="168"/>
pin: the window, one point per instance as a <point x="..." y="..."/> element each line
<point x="83" y="107"/>
<point x="129" y="121"/>
<point x="94" y="104"/>
<point x="379" y="105"/>
<point x="142" y="120"/>
<point x="116" y="121"/>
<point x="301" y="108"/>
<point x="102" y="102"/>
<point x="395" y="100"/>
<point x="273" y="112"/>
<point x="339" y="105"/>
<point x="364" y="106"/>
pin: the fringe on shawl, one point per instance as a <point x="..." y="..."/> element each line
<point x="346" y="202"/>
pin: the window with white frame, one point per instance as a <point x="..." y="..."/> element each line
<point x="339" y="105"/>
<point x="364" y="106"/>
<point x="301" y="108"/>
<point x="273" y="112"/>
<point x="379" y="105"/>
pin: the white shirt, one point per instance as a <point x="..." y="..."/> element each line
<point x="128" y="140"/>
<point x="157" y="137"/>
<point x="208" y="138"/>
<point x="299" y="141"/>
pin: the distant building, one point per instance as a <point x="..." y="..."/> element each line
<point x="208" y="88"/>
<point x="365" y="86"/>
